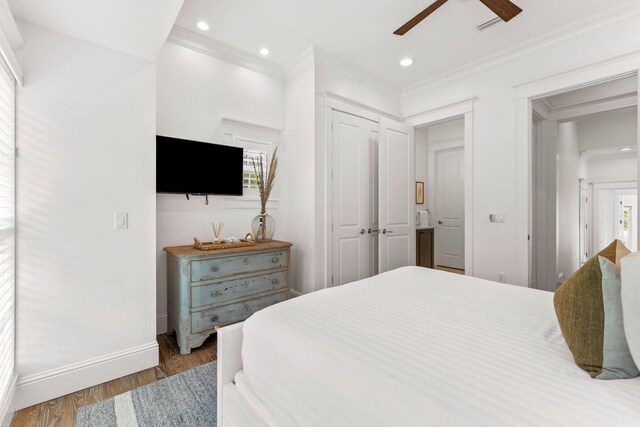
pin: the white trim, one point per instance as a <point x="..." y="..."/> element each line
<point x="197" y="42"/>
<point x="8" y="22"/>
<point x="249" y="202"/>
<point x="162" y="323"/>
<point x="229" y="363"/>
<point x="8" y="53"/>
<point x="302" y="63"/>
<point x="496" y="59"/>
<point x="450" y="111"/>
<point x="38" y="388"/>
<point x="7" y="409"/>
<point x="249" y="130"/>
<point x="445" y="112"/>
<point x="355" y="108"/>
<point x="611" y="104"/>
<point x="587" y="74"/>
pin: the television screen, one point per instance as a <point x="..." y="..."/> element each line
<point x="191" y="167"/>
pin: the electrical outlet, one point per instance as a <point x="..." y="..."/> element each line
<point x="121" y="221"/>
<point x="502" y="278"/>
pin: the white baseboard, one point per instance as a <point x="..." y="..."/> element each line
<point x="7" y="411"/>
<point x="38" y="388"/>
<point x="161" y="324"/>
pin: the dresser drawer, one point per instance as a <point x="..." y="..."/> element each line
<point x="228" y="290"/>
<point x="232" y="313"/>
<point x="215" y="268"/>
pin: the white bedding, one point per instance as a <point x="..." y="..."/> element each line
<point x="416" y="347"/>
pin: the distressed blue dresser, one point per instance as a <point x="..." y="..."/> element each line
<point x="216" y="288"/>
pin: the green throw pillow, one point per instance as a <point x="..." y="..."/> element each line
<point x="589" y="310"/>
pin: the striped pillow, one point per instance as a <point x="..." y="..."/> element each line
<point x="589" y="310"/>
<point x="631" y="303"/>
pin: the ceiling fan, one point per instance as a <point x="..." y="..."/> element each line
<point x="503" y="8"/>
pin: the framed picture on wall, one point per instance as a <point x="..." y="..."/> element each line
<point x="419" y="193"/>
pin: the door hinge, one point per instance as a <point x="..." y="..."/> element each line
<point x="16" y="152"/>
<point x="528" y="236"/>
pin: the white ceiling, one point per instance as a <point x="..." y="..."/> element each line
<point x="359" y="32"/>
<point x="137" y="27"/>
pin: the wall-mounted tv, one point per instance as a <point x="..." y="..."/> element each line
<point x="192" y="167"/>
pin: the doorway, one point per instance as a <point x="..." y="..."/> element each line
<point x="446" y="191"/>
<point x="583" y="177"/>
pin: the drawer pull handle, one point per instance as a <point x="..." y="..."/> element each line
<point x="214" y="318"/>
<point x="275" y="281"/>
<point x="215" y="268"/>
<point x="246" y="307"/>
<point x="215" y="293"/>
<point x="245" y="261"/>
<point x="274" y="260"/>
<point x="245" y="284"/>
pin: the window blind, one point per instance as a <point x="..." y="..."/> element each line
<point x="249" y="179"/>
<point x="7" y="229"/>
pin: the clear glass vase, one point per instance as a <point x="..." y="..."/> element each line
<point x="263" y="227"/>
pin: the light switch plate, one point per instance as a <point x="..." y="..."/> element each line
<point x="496" y="217"/>
<point x="122" y="221"/>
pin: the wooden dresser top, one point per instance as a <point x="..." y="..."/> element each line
<point x="189" y="250"/>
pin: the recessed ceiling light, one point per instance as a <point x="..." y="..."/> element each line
<point x="625" y="149"/>
<point x="406" y="62"/>
<point x="203" y="26"/>
<point x="264" y="51"/>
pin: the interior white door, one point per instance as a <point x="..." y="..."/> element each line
<point x="396" y="165"/>
<point x="449" y="194"/>
<point x="354" y="185"/>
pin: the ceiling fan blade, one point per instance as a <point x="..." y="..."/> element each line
<point x="418" y="18"/>
<point x="503" y="8"/>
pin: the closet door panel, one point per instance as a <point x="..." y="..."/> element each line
<point x="396" y="204"/>
<point x="353" y="186"/>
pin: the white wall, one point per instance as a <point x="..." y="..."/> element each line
<point x="85" y="291"/>
<point x="612" y="129"/>
<point x="613" y="168"/>
<point x="194" y="92"/>
<point x="568" y="196"/>
<point x="495" y="172"/>
<point x="302" y="211"/>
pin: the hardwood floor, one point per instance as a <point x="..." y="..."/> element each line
<point x="62" y="411"/>
<point x="450" y="270"/>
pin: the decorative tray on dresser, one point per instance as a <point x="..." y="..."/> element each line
<point x="207" y="289"/>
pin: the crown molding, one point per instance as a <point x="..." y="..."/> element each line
<point x="324" y="58"/>
<point x="207" y="46"/>
<point x="303" y="62"/>
<point x="550" y="38"/>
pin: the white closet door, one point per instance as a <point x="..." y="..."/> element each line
<point x="396" y="195"/>
<point x="354" y="217"/>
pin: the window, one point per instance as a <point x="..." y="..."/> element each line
<point x="249" y="179"/>
<point x="7" y="228"/>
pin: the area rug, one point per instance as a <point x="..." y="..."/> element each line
<point x="185" y="399"/>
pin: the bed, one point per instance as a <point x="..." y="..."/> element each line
<point x="412" y="347"/>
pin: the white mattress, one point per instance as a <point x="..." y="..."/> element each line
<point x="416" y="347"/>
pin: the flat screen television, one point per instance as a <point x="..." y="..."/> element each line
<point x="192" y="167"/>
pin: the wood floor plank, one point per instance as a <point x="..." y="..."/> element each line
<point x="61" y="411"/>
<point x="26" y="417"/>
<point x="149" y="376"/>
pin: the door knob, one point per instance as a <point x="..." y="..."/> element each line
<point x="440" y="222"/>
<point x="362" y="231"/>
<point x="385" y="231"/>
